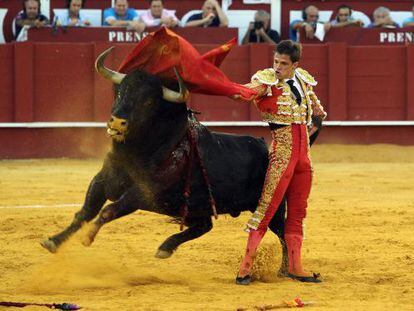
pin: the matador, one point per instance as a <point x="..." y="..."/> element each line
<point x="286" y="100"/>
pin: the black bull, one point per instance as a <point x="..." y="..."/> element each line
<point x="148" y="166"/>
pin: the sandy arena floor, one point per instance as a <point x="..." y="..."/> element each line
<point x="359" y="237"/>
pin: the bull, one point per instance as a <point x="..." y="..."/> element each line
<point x="162" y="160"/>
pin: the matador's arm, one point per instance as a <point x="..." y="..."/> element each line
<point x="261" y="83"/>
<point x="317" y="108"/>
<point x="318" y="115"/>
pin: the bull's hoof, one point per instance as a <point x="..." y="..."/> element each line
<point x="163" y="254"/>
<point x="49" y="245"/>
<point x="88" y="239"/>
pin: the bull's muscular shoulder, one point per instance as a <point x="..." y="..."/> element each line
<point x="306" y="76"/>
<point x="266" y="76"/>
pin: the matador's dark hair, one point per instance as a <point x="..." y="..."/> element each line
<point x="288" y="47"/>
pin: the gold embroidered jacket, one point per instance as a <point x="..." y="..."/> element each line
<point x="276" y="102"/>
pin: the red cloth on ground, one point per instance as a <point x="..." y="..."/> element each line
<point x="162" y="51"/>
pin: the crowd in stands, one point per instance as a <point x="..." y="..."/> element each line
<point x="30" y="16"/>
<point x="310" y="21"/>
<point x="212" y="15"/>
<point x="73" y="16"/>
<point x="259" y="30"/>
<point x="409" y="22"/>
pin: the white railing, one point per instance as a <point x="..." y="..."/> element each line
<point x="207" y="123"/>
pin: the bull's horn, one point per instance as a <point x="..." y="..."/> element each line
<point x="176" y="97"/>
<point x="114" y="76"/>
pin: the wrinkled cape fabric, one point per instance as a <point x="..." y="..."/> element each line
<point x="162" y="51"/>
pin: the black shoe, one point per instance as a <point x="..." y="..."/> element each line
<point x="306" y="279"/>
<point x="245" y="280"/>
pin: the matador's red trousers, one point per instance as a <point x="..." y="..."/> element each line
<point x="289" y="173"/>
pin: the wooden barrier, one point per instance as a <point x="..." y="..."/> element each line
<point x="48" y="82"/>
<point x="57" y="81"/>
<point x="364" y="36"/>
<point x="194" y="35"/>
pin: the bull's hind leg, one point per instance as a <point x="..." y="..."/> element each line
<point x="128" y="203"/>
<point x="95" y="198"/>
<point x="277" y="226"/>
<point x="197" y="227"/>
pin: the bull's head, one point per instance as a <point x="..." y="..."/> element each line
<point x="138" y="97"/>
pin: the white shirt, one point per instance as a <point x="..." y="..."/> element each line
<point x="297" y="84"/>
<point x="64" y="20"/>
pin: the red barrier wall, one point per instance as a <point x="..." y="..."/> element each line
<point x="364" y="36"/>
<point x="57" y="82"/>
<point x="7" y="99"/>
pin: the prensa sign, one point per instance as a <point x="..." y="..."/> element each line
<point x="396" y="37"/>
<point x="126" y="36"/>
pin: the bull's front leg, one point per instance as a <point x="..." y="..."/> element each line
<point x="197" y="227"/>
<point x="128" y="203"/>
<point x="95" y="199"/>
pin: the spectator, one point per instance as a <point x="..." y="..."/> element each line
<point x="157" y="15"/>
<point x="344" y="18"/>
<point x="122" y="16"/>
<point x="409" y="22"/>
<point x="30" y="16"/>
<point x="383" y="19"/>
<point x="74" y="15"/>
<point x="259" y="30"/>
<point x="309" y="21"/>
<point x="212" y="16"/>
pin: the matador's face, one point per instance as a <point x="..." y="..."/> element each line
<point x="283" y="66"/>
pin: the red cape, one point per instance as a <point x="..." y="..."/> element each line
<point x="161" y="51"/>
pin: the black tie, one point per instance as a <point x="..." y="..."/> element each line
<point x="295" y="91"/>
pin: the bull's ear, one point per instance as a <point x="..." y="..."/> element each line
<point x="173" y="96"/>
<point x="114" y="76"/>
